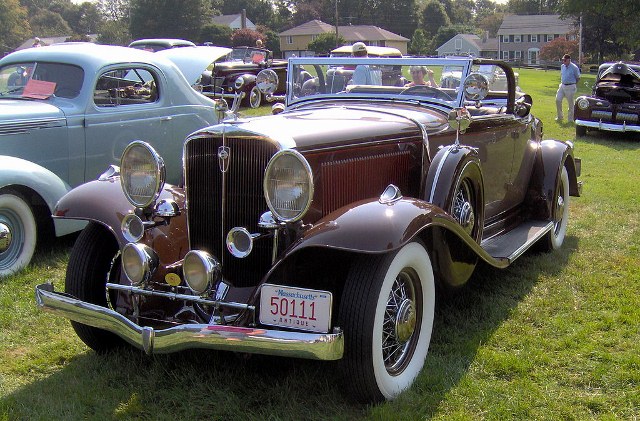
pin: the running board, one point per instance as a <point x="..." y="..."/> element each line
<point x="509" y="246"/>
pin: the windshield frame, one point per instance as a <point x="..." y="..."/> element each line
<point x="295" y="62"/>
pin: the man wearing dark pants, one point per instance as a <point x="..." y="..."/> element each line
<point x="569" y="77"/>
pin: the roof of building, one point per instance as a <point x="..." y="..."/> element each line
<point x="227" y="19"/>
<point x="348" y="32"/>
<point x="488" y="44"/>
<point x="535" y="24"/>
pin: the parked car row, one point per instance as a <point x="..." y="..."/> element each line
<point x="324" y="231"/>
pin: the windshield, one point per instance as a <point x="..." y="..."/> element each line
<point x="41" y="80"/>
<point x="377" y="78"/>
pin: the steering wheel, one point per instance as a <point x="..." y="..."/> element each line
<point x="426" y="91"/>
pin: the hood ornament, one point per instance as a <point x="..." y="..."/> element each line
<point x="224" y="158"/>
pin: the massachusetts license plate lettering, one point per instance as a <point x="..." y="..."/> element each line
<point x="297" y="308"/>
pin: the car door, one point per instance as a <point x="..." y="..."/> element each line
<point x="129" y="103"/>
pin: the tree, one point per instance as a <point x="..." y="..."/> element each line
<point x="434" y="17"/>
<point x="49" y="24"/>
<point x="219" y="35"/>
<point x="114" y="32"/>
<point x="14" y="26"/>
<point x="554" y="50"/>
<point x="609" y="26"/>
<point x="419" y="44"/>
<point x="326" y="42"/>
<point x="397" y="16"/>
<point x="491" y="23"/>
<point x="534" y="7"/>
<point x="117" y="10"/>
<point x="245" y="37"/>
<point x="168" y="18"/>
<point x="462" y="12"/>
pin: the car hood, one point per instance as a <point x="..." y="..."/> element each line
<point x="333" y="125"/>
<point x="17" y="115"/>
<point x="192" y="61"/>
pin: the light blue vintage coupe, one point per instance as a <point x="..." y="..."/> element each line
<point x="68" y="111"/>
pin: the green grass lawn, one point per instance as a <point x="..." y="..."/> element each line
<point x="554" y="336"/>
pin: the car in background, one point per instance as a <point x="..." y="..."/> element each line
<point x="614" y="103"/>
<point x="196" y="61"/>
<point x="496" y="77"/>
<point x="372" y="51"/>
<point x="324" y="231"/>
<point x="244" y="63"/>
<point x="159" y="44"/>
<point x="66" y="113"/>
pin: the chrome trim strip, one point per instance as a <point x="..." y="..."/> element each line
<point x="319" y="346"/>
<point x="435" y="178"/>
<point x="608" y="126"/>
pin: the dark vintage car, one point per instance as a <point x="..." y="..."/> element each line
<point x="322" y="232"/>
<point x="614" y="103"/>
<point x="244" y="63"/>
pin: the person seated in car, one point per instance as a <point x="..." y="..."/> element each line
<point x="418" y="74"/>
<point x="17" y="78"/>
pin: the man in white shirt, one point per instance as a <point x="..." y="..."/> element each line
<point x="569" y="77"/>
<point x="363" y="74"/>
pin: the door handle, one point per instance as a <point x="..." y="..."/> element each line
<point x="167" y="118"/>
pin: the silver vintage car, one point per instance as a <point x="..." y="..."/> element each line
<point x="68" y="111"/>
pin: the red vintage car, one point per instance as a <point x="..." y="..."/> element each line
<point x="324" y="231"/>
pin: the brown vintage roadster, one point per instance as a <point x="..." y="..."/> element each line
<point x="324" y="231"/>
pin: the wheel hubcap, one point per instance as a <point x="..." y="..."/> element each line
<point x="400" y="323"/>
<point x="5" y="237"/>
<point x="405" y="321"/>
<point x="463" y="210"/>
<point x="559" y="212"/>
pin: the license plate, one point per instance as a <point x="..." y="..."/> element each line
<point x="296" y="308"/>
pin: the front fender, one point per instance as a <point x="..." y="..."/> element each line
<point x="372" y="227"/>
<point x="103" y="201"/>
<point x="20" y="173"/>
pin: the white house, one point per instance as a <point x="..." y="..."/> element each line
<point x="471" y="45"/>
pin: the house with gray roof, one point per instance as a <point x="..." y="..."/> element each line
<point x="521" y="37"/>
<point x="233" y="21"/>
<point x="470" y="45"/>
<point x="295" y="41"/>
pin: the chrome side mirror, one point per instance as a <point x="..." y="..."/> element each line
<point x="476" y="87"/>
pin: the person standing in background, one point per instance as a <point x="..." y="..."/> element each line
<point x="569" y="77"/>
<point x="36" y="43"/>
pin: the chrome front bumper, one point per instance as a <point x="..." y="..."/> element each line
<point x="317" y="346"/>
<point x="622" y="127"/>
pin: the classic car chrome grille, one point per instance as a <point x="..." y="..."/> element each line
<point x="605" y="115"/>
<point x="243" y="204"/>
<point x="354" y="179"/>
<point x="627" y="117"/>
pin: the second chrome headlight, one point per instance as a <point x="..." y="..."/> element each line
<point x="288" y="185"/>
<point x="142" y="174"/>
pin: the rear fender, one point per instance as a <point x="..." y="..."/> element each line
<point x="551" y="156"/>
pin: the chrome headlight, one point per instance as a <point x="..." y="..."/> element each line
<point x="239" y="83"/>
<point x="142" y="174"/>
<point x="139" y="262"/>
<point x="288" y="185"/>
<point x="583" y="103"/>
<point x="201" y="271"/>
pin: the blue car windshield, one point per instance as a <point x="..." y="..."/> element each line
<point x="41" y="80"/>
